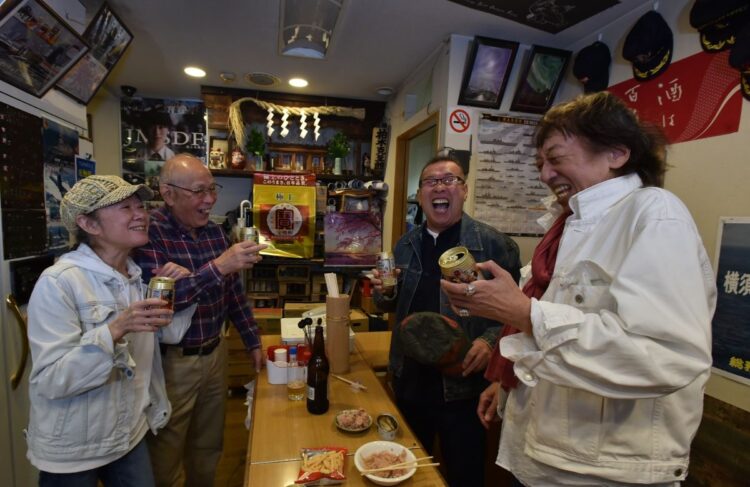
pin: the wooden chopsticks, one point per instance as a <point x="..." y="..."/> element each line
<point x="350" y="382"/>
<point x="405" y="465"/>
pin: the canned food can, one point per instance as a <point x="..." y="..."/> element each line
<point x="457" y="265"/>
<point x="387" y="269"/>
<point x="162" y="288"/>
<point x="249" y="234"/>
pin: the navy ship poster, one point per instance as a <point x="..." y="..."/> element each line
<point x="731" y="323"/>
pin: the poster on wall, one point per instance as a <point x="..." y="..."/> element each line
<point x="85" y="167"/>
<point x="731" y="323"/>
<point x="154" y="130"/>
<point x="695" y="98"/>
<point x="21" y="189"/>
<point x="59" y="148"/>
<point x="508" y="194"/>
<point x="353" y="238"/>
<point x="284" y="213"/>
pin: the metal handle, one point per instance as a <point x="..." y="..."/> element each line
<point x="15" y="378"/>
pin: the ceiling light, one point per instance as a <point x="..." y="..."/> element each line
<point x="298" y="82"/>
<point x="306" y="26"/>
<point x="227" y="77"/>
<point x="194" y="72"/>
<point x="384" y="91"/>
<point x="262" y="79"/>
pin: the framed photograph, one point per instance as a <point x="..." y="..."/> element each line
<point x="487" y="70"/>
<point x="37" y="47"/>
<point x="540" y="79"/>
<point x="108" y="38"/>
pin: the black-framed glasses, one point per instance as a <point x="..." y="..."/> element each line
<point x="447" y="181"/>
<point x="199" y="193"/>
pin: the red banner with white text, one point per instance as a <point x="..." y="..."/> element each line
<point x="695" y="98"/>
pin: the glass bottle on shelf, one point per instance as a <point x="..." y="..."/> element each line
<point x="317" y="376"/>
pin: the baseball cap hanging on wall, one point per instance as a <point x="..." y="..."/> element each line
<point x="648" y="46"/>
<point x="739" y="58"/>
<point x="591" y="67"/>
<point x="718" y="22"/>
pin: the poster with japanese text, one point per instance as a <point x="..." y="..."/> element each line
<point x="731" y="323"/>
<point x="284" y="213"/>
<point x="695" y="98"/>
<point x="508" y="192"/>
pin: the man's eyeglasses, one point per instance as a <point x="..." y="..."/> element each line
<point x="449" y="180"/>
<point x="199" y="193"/>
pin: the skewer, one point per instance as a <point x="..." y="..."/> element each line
<point x="350" y="382"/>
<point x="405" y="465"/>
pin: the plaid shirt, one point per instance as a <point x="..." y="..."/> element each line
<point x="217" y="296"/>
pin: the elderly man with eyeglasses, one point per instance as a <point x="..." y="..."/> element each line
<point x="195" y="369"/>
<point x="433" y="403"/>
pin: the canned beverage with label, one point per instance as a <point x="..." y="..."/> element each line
<point x="457" y="265"/>
<point x="249" y="234"/>
<point x="162" y="288"/>
<point x="387" y="269"/>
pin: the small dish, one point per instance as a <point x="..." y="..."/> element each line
<point x="353" y="420"/>
<point x="374" y="447"/>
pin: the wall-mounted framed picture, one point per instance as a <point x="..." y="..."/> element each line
<point x="108" y="38"/>
<point x="37" y="47"/>
<point x="486" y="73"/>
<point x="540" y="79"/>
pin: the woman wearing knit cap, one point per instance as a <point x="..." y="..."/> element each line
<point x="96" y="386"/>
<point x="607" y="370"/>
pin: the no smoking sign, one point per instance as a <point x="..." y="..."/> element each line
<point x="459" y="120"/>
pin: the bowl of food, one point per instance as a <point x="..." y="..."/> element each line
<point x="353" y="420"/>
<point x="380" y="455"/>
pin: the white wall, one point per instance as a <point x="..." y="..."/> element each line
<point x="709" y="175"/>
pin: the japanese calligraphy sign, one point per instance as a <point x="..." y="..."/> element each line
<point x="284" y="213"/>
<point x="731" y="323"/>
<point x="695" y="98"/>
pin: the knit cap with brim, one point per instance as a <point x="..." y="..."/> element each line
<point x="94" y="192"/>
<point x="434" y="339"/>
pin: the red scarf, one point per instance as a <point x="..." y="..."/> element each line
<point x="500" y="368"/>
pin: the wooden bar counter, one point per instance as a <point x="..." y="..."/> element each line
<point x="280" y="428"/>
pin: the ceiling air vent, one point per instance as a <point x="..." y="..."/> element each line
<point x="262" y="79"/>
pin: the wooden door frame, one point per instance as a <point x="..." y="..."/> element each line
<point x="402" y="171"/>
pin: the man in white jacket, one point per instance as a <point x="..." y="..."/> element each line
<point x="611" y="360"/>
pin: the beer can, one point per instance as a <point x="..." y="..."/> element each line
<point x="387" y="269"/>
<point x="249" y="234"/>
<point x="162" y="288"/>
<point x="457" y="265"/>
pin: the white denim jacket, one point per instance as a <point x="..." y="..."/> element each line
<point x="612" y="380"/>
<point x="80" y="387"/>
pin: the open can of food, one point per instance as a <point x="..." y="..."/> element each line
<point x="387" y="426"/>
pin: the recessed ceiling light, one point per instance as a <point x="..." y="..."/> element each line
<point x="385" y="91"/>
<point x="298" y="82"/>
<point x="194" y="72"/>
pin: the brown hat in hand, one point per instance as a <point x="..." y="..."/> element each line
<point x="433" y="339"/>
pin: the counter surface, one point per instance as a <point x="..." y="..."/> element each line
<point x="281" y="427"/>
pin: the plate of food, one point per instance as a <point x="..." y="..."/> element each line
<point x="353" y="420"/>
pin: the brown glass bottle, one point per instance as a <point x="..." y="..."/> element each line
<point x="317" y="376"/>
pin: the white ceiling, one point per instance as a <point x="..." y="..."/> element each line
<point x="377" y="43"/>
